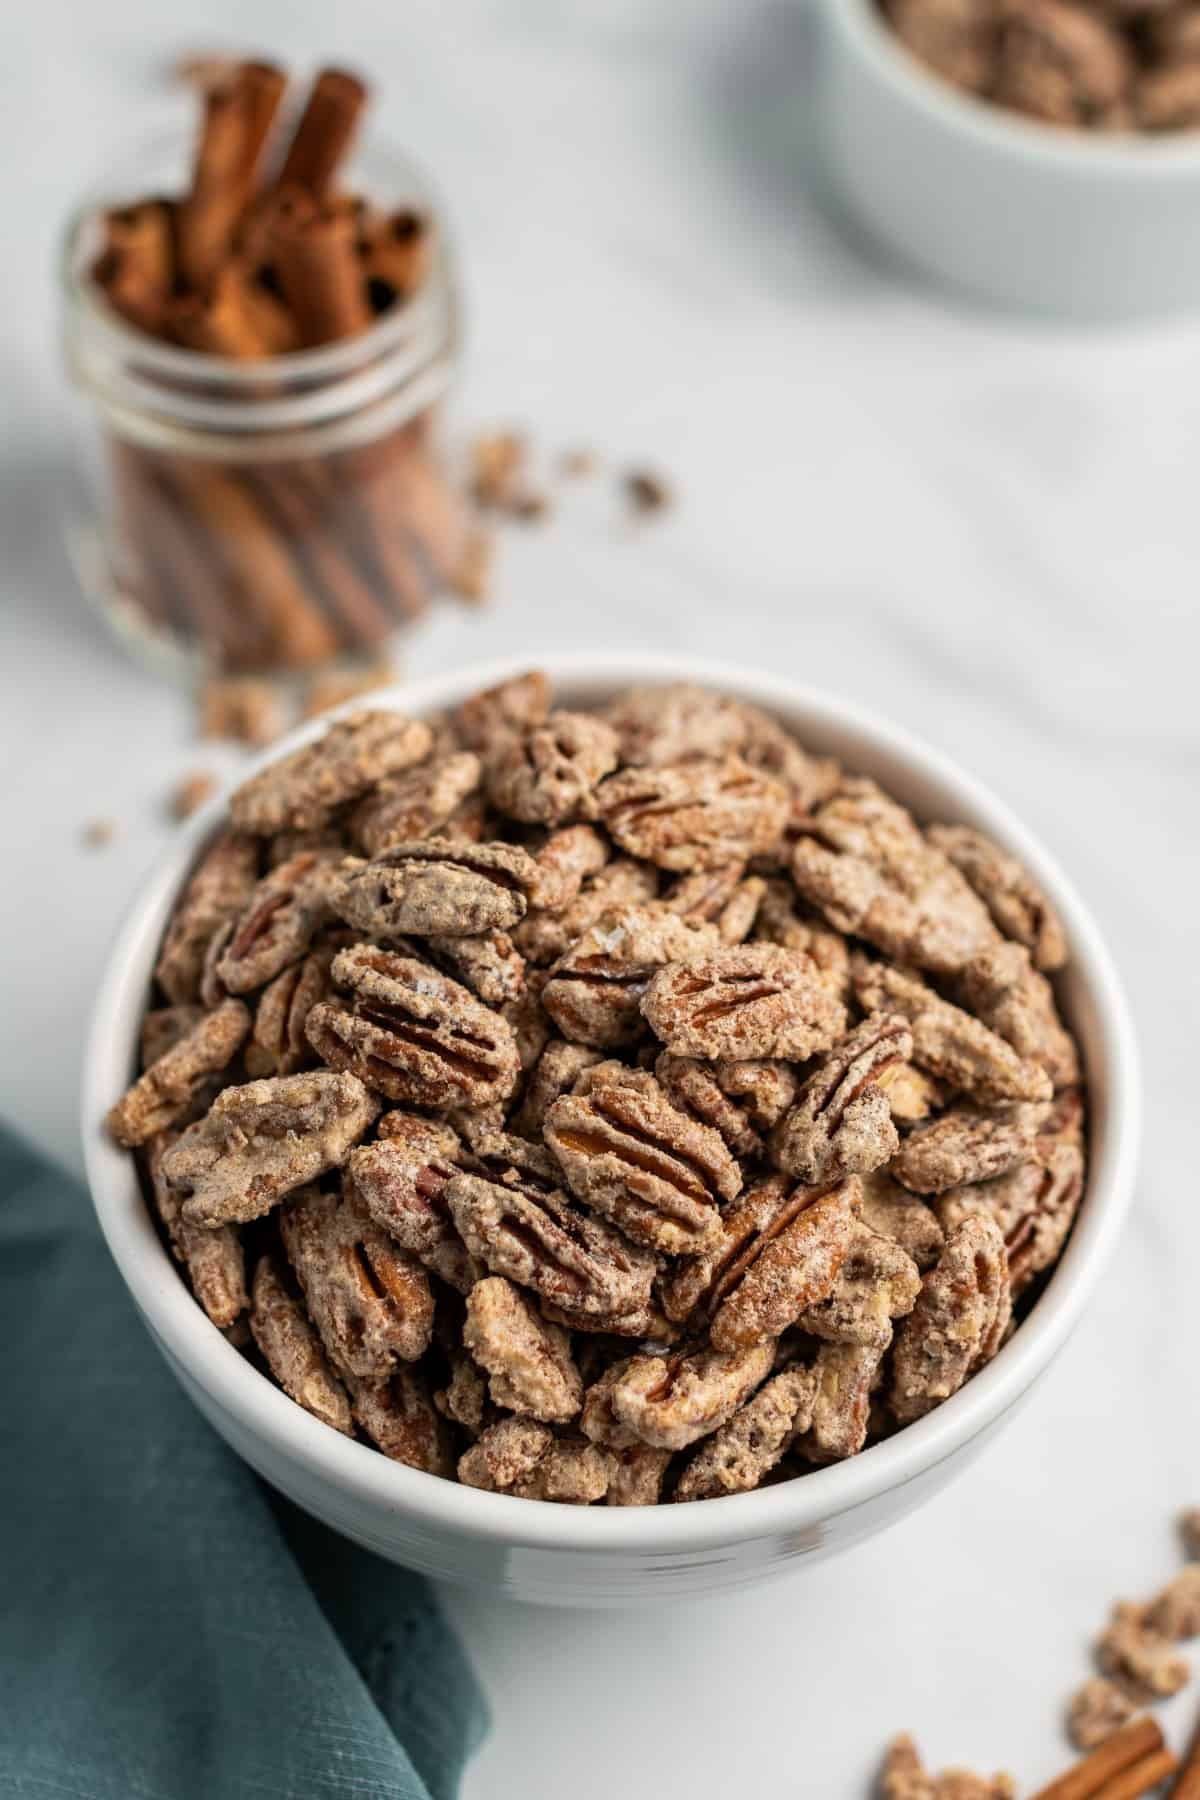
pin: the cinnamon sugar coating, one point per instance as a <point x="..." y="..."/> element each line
<point x="303" y="791"/>
<point x="167" y="1088"/>
<point x="958" y="1322"/>
<point x="755" y="1000"/>
<point x="693" y="815"/>
<point x="292" y="1348"/>
<point x="527" y="1359"/>
<point x="841" y="1123"/>
<point x="217" y="892"/>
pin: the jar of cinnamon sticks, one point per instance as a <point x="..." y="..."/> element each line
<point x="264" y="347"/>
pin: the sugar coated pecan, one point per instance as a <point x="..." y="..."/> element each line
<point x="163" y="1026"/>
<point x="748" y="1446"/>
<point x="464" y="1397"/>
<point x="658" y="725"/>
<point x="1009" y="892"/>
<point x="563" y="863"/>
<point x="693" y="1288"/>
<point x="751" y="1001"/>
<point x="693" y="815"/>
<point x="779" y="921"/>
<point x="595" y="990"/>
<point x="292" y="1349"/>
<point x="555" y="1073"/>
<point x="894" y="1213"/>
<point x="1139" y="1657"/>
<point x="966" y="1145"/>
<point x="549" y="930"/>
<point x="301" y="792"/>
<point x="283" y="915"/>
<point x="546" y="774"/>
<point x="738" y="1099"/>
<point x="912" y="1093"/>
<point x="278" y="1044"/>
<point x="845" y="1374"/>
<point x="416" y="804"/>
<point x="490" y="965"/>
<point x="627" y="1153"/>
<point x="636" y="1475"/>
<point x="217" y="892"/>
<point x="958" y="1322"/>
<point x="646" y="1322"/>
<point x="793" y="1264"/>
<point x="413" y="1034"/>
<point x="168" y="1087"/>
<point x="1096" y="1710"/>
<point x="214" y="1260"/>
<point x="1033" y="1205"/>
<point x="951" y="1043"/>
<point x="258" y="1142"/>
<point x="809" y="779"/>
<point x="1175" y="1612"/>
<point x="904" y="1777"/>
<point x="877" y="1283"/>
<point x="725" y="897"/>
<point x="488" y="717"/>
<point x="437" y="887"/>
<point x="1003" y="989"/>
<point x="397" y="1413"/>
<point x="401" y="1180"/>
<point x="671" y="1401"/>
<point x="528" y="1360"/>
<point x="522" y="1457"/>
<point x="841" y="1123"/>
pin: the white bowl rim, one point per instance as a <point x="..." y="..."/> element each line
<point x="262" y="1410"/>
<point x="1131" y="155"/>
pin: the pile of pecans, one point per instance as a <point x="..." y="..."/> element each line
<point x="624" y="1105"/>
<point x="1132" y="66"/>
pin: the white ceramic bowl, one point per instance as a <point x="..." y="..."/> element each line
<point x="610" y="1556"/>
<point x="1016" y="212"/>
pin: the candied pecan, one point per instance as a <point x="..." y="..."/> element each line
<point x="278" y="1045"/>
<point x="657" y="725"/>
<point x="563" y="863"/>
<point x="877" y="1283"/>
<point x="896" y="1214"/>
<point x="284" y="913"/>
<point x="948" y="1042"/>
<point x="1033" y="1206"/>
<point x="958" y="1322"/>
<point x="522" y="1457"/>
<point x="214" y="1260"/>
<point x="841" y="1123"/>
<point x="555" y="1073"/>
<point x="1097" y="1710"/>
<point x="955" y="38"/>
<point x="696" y="1285"/>
<point x="844" y="1376"/>
<point x="464" y="1397"/>
<point x="1189" y="1530"/>
<point x="212" y="988"/>
<point x="546" y="933"/>
<point x="1001" y="987"/>
<point x="629" y="1154"/>
<point x="169" y="1086"/>
<point x="292" y="1350"/>
<point x="779" y="922"/>
<point x="903" y="1776"/>
<point x="416" y="804"/>
<point x="401" y="1180"/>
<point x="162" y="1028"/>
<point x="546" y="774"/>
<point x="490" y="965"/>
<point x="870" y="871"/>
<point x="399" y="1417"/>
<point x="258" y="1142"/>
<point x="710" y="1091"/>
<point x="369" y="1299"/>
<point x="301" y="792"/>
<point x="540" y="1240"/>
<point x="1059" y="62"/>
<point x="693" y="815"/>
<point x="218" y="890"/>
<point x="1175" y="1612"/>
<point x="792" y="1265"/>
<point x="966" y="1145"/>
<point x="594" y="991"/>
<point x="911" y="1093"/>
<point x="1009" y="892"/>
<point x="751" y="1001"/>
<point x="671" y="1401"/>
<point x="413" y="1034"/>
<point x="487" y="717"/>
<point x="528" y="1361"/>
<point x="527" y="1019"/>
<point x="636" y="1475"/>
<point x="1141" y="1659"/>
<point x="437" y="887"/>
<point x="645" y="1323"/>
<point x="597" y="1420"/>
<point x="809" y="779"/>
<point x="1168" y="99"/>
<point x="725" y="897"/>
<point x="469" y="823"/>
<point x="748" y="1446"/>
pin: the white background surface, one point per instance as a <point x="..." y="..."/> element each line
<point x="985" y="528"/>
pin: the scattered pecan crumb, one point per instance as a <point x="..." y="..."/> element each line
<point x="243" y="709"/>
<point x="98" y="834"/>
<point x="472" y="576"/>
<point x="647" y="492"/>
<point x="190" y="793"/>
<point x="578" y="463"/>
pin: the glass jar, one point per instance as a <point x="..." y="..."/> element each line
<point x="268" y="515"/>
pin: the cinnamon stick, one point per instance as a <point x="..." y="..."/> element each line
<point x="294" y="493"/>
<point x="325" y="132"/>
<point x="136" y="266"/>
<point x="1140" y="1778"/>
<point x="238" y="318"/>
<point x="1125" y="1749"/>
<point x="1188" y="1785"/>
<point x="319" y="272"/>
<point x="237" y="120"/>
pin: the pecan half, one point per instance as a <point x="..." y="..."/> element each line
<point x="636" y="1475"/>
<point x="778" y="921"/>
<point x="658" y="725"/>
<point x="1002" y="988"/>
<point x="724" y="897"/>
<point x="398" y="1415"/>
<point x="1007" y="889"/>
<point x="278" y="1045"/>
<point x="563" y="863"/>
<point x="169" y="1086"/>
<point x="841" y="1123"/>
<point x="490" y="965"/>
<point x="214" y="1260"/>
<point x="162" y="1027"/>
<point x="877" y="1283"/>
<point x="416" y="804"/>
<point x="486" y="718"/>
<point x="958" y="1322"/>
<point x="401" y="1181"/>
<point x="370" y="1300"/>
<point x="1060" y="62"/>
<point x="519" y="1456"/>
<point x="292" y="1350"/>
<point x="258" y="1142"/>
<point x="528" y="1361"/>
<point x="629" y="1154"/>
<point x="437" y="887"/>
<point x="1033" y="1206"/>
<point x="894" y="1213"/>
<point x="671" y="1401"/>
<point x="711" y="1091"/>
<point x="1175" y="1611"/>
<point x="413" y="1034"/>
<point x="693" y="815"/>
<point x="845" y="1376"/>
<point x="693" y="1288"/>
<point x="546" y="932"/>
<point x="1097" y="1709"/>
<point x="555" y="1073"/>
<point x="748" y="1446"/>
<point x="965" y="1145"/>
<point x="950" y="1043"/>
<point x="286" y="910"/>
<point x="1143" y="1660"/>
<point x="792" y="1264"/>
<point x="464" y="1397"/>
<point x="546" y="774"/>
<point x="809" y="779"/>
<point x="301" y="792"/>
<point x="595" y="990"/>
<point x="217" y="891"/>
<point x="752" y="1001"/>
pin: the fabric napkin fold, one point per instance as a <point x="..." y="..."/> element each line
<point x="169" y="1628"/>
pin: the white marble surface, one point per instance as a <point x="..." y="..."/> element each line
<point x="988" y="530"/>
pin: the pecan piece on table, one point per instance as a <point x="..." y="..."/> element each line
<point x="413" y="1034"/>
<point x="657" y="725"/>
<point x="748" y="1446"/>
<point x="523" y="1457"/>
<point x="792" y="1263"/>
<point x="401" y="1180"/>
<point x="950" y="1043"/>
<point x="301" y="792"/>
<point x="693" y="815"/>
<point x="1142" y="1660"/>
<point x="217" y="891"/>
<point x="292" y="1350"/>
<point x="595" y="991"/>
<point x="1033" y="1205"/>
<point x="369" y="1299"/>
<point x="1175" y="1611"/>
<point x="711" y="1091"/>
<point x="966" y="1145"/>
<point x="958" y="1322"/>
<point x="845" y="1377"/>
<point x="284" y="913"/>
<point x="1002" y="988"/>
<point x="169" y="1086"/>
<point x="841" y="1123"/>
<point x="1097" y="1709"/>
<point x="546" y="774"/>
<point x="751" y="1001"/>
<point x="259" y="1141"/>
<point x="437" y="887"/>
<point x="627" y="1153"/>
<point x="548" y="931"/>
<point x="278" y="1045"/>
<point x="877" y="1283"/>
<point x="900" y="1216"/>
<point x="416" y="804"/>
<point x="671" y="1401"/>
<point x="485" y="719"/>
<point x="214" y="1260"/>
<point x="398" y="1415"/>
<point x="904" y="1777"/>
<point x="528" y="1361"/>
<point x="1014" y="899"/>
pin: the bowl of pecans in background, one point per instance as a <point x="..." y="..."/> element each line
<point x="608" y="1131"/>
<point x="1042" y="155"/>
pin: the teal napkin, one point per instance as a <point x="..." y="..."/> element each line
<point x="169" y="1629"/>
